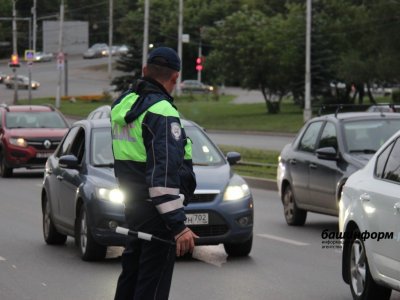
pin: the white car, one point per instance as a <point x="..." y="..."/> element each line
<point x="369" y="223"/>
<point x="22" y="82"/>
<point x="43" y="56"/>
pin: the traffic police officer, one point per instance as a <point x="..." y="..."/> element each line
<point x="153" y="166"/>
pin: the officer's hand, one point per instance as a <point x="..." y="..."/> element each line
<point x="185" y="242"/>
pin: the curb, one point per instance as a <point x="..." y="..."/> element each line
<point x="266" y="184"/>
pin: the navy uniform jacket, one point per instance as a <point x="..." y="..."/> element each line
<point x="153" y="156"/>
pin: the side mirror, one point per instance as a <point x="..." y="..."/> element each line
<point x="327" y="153"/>
<point x="68" y="162"/>
<point x="233" y="157"/>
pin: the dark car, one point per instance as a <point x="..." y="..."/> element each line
<point x="29" y="134"/>
<point x="328" y="149"/>
<point x="80" y="195"/>
<point x="96" y="51"/>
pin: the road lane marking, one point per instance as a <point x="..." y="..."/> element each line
<point x="281" y="239"/>
<point x="2" y="258"/>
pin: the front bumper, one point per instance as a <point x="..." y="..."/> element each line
<point x="17" y="157"/>
<point x="100" y="214"/>
<point x="229" y="222"/>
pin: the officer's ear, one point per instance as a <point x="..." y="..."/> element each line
<point x="144" y="71"/>
<point x="174" y="77"/>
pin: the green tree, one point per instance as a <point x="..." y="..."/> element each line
<point x="260" y="52"/>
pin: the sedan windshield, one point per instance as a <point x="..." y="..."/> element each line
<point x="367" y="136"/>
<point x="42" y="119"/>
<point x="204" y="152"/>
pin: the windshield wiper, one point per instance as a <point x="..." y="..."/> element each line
<point x="109" y="165"/>
<point x="198" y="164"/>
<point x="366" y="151"/>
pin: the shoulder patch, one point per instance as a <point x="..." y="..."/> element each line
<point x="176" y="130"/>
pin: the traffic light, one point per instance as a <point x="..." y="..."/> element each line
<point x="199" y="65"/>
<point x="14" y="61"/>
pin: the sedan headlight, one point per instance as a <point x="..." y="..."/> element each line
<point x="20" y="142"/>
<point x="237" y="189"/>
<point x="112" y="195"/>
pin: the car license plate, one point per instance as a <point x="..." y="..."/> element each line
<point x="196" y="219"/>
<point x="43" y="154"/>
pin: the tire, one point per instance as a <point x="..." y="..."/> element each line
<point x="89" y="249"/>
<point x="239" y="249"/>
<point x="362" y="285"/>
<point x="50" y="233"/>
<point x="294" y="216"/>
<point x="5" y="171"/>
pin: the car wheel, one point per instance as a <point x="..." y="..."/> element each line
<point x="4" y="170"/>
<point x="362" y="285"/>
<point x="90" y="250"/>
<point x="239" y="249"/>
<point x="50" y="233"/>
<point x="293" y="215"/>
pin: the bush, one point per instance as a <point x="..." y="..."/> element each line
<point x="396" y="96"/>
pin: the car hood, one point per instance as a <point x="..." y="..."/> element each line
<point x="105" y="177"/>
<point x="359" y="159"/>
<point x="212" y="177"/>
<point x="207" y="177"/>
<point x="38" y="132"/>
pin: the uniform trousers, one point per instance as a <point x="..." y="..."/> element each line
<point x="147" y="266"/>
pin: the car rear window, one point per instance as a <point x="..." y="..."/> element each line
<point x="41" y="119"/>
<point x="369" y="135"/>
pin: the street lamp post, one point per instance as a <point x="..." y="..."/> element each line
<point x="307" y="97"/>
<point x="180" y="33"/>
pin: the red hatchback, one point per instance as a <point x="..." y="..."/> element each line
<point x="29" y="134"/>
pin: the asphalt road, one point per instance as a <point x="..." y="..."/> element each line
<point x="285" y="263"/>
<point x="83" y="79"/>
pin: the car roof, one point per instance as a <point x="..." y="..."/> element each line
<point x="26" y="108"/>
<point x="105" y="122"/>
<point x="358" y="116"/>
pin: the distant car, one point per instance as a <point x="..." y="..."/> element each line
<point x="122" y="50"/>
<point x="96" y="51"/>
<point x="102" y="112"/>
<point x="328" y="149"/>
<point x="80" y="195"/>
<point x="29" y="134"/>
<point x="42" y="57"/>
<point x="384" y="108"/>
<point x="2" y="77"/>
<point x="22" y="82"/>
<point x="370" y="205"/>
<point x="195" y="86"/>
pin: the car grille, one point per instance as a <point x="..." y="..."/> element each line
<point x="209" y="230"/>
<point x="201" y="198"/>
<point x="38" y="143"/>
<point x="37" y="161"/>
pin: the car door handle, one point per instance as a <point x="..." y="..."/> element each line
<point x="313" y="166"/>
<point x="59" y="177"/>
<point x="365" y="197"/>
<point x="397" y="208"/>
<point x="292" y="161"/>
